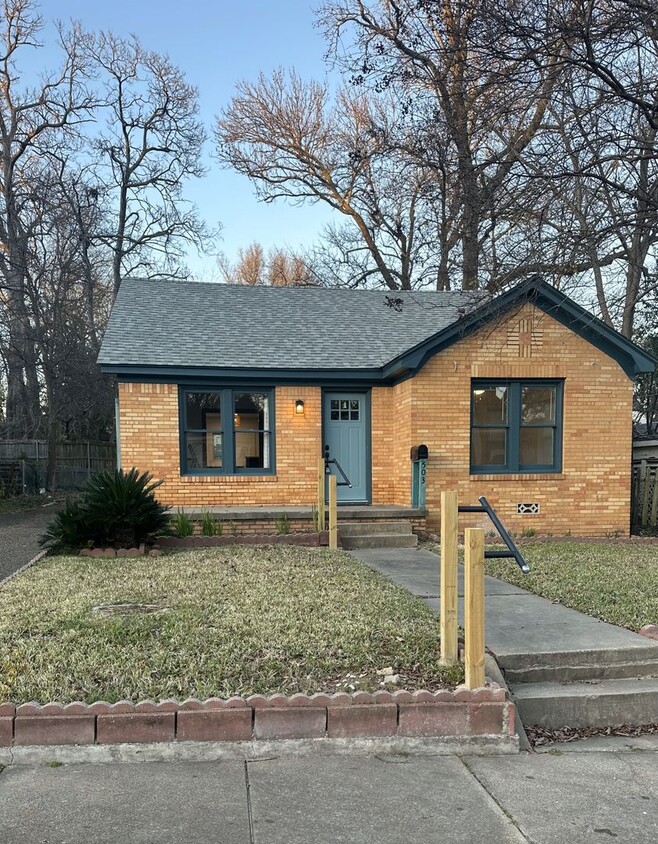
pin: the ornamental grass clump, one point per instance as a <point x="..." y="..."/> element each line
<point x="114" y="509"/>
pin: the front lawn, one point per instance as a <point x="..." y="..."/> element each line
<point x="235" y="620"/>
<point x="617" y="582"/>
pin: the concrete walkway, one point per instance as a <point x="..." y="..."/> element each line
<point x="518" y="623"/>
<point x="528" y="799"/>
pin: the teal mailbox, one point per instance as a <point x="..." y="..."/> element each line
<point x="419" y="456"/>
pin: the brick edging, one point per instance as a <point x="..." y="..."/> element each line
<point x="459" y="713"/>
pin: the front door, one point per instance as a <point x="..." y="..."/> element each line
<point x="345" y="433"/>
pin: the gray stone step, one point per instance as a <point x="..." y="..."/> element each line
<point x="575" y="672"/>
<point x="604" y="703"/>
<point x="380" y="540"/>
<point x="373" y="528"/>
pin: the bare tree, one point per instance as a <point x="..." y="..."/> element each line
<point x="279" y="268"/>
<point x="293" y="141"/>
<point x="150" y="146"/>
<point x="32" y="119"/>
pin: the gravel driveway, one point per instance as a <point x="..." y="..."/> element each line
<point x="19" y="537"/>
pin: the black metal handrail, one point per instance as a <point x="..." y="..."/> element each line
<point x="346" y="481"/>
<point x="513" y="551"/>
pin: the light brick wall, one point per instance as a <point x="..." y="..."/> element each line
<point x="148" y="421"/>
<point x="589" y="497"/>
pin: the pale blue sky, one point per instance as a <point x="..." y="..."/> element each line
<point x="216" y="44"/>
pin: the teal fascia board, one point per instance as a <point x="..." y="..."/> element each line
<point x="632" y="359"/>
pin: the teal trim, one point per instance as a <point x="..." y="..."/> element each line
<point x="513" y="427"/>
<point x="632" y="359"/>
<point x="228" y="434"/>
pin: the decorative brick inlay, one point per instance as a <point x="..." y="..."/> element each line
<point x="214" y="725"/>
<point x="140" y="727"/>
<point x="359" y="720"/>
<point x="487" y="719"/>
<point x="293" y="722"/>
<point x="6" y="731"/>
<point x="422" y="713"/>
<point x="54" y="729"/>
<point x="433" y="719"/>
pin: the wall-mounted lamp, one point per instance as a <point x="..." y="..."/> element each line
<point x="299" y="406"/>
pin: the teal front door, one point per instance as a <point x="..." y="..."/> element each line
<point x="346" y="440"/>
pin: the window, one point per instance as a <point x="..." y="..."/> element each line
<point x="226" y="432"/>
<point x="516" y="426"/>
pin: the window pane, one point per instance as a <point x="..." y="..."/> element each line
<point x="536" y="446"/>
<point x="490" y="405"/>
<point x="252" y="450"/>
<point x="538" y="405"/>
<point x="203" y="411"/>
<point x="250" y="404"/>
<point x="488" y="447"/>
<point x="204" y="451"/>
<point x="251" y="423"/>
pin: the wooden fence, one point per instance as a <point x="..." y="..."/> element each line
<point x="23" y="464"/>
<point x="644" y="496"/>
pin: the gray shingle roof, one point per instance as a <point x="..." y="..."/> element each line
<point x="195" y="324"/>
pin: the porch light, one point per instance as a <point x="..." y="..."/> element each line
<point x="299" y="406"/>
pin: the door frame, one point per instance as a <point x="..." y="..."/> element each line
<point x="366" y="393"/>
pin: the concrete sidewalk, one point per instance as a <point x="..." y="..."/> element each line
<point x="538" y="798"/>
<point x="517" y="622"/>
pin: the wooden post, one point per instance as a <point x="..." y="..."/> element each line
<point x="474" y="607"/>
<point x="333" y="513"/>
<point x="321" y="496"/>
<point x="448" y="590"/>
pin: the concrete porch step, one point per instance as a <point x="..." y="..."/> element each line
<point x="579" y="673"/>
<point x="577" y="666"/>
<point x="373" y="528"/>
<point x="379" y="540"/>
<point x="603" y="703"/>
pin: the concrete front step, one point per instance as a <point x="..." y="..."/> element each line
<point x="373" y="528"/>
<point x="604" y="703"/>
<point x="379" y="540"/>
<point x="571" y="673"/>
<point x="635" y="650"/>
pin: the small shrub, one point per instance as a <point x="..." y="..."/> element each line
<point x="114" y="508"/>
<point x="233" y="528"/>
<point x="219" y="527"/>
<point x="528" y="533"/>
<point x="183" y="525"/>
<point x="282" y="525"/>
<point x="207" y="525"/>
<point x="315" y="515"/>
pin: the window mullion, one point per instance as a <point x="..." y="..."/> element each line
<point x="514" y="426"/>
<point x="228" y="434"/>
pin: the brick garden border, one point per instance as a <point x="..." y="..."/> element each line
<point x="447" y="714"/>
<point x="310" y="539"/>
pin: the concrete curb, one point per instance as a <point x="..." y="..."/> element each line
<point x="207" y="751"/>
<point x="492" y="670"/>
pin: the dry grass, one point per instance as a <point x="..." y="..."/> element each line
<point x="238" y="620"/>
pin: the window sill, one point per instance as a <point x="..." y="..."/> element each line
<point x="520" y="476"/>
<point x="228" y="479"/>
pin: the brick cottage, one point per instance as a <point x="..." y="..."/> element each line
<point x="231" y="394"/>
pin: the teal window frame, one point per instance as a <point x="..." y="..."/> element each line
<point x="514" y="426"/>
<point x="226" y="407"/>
